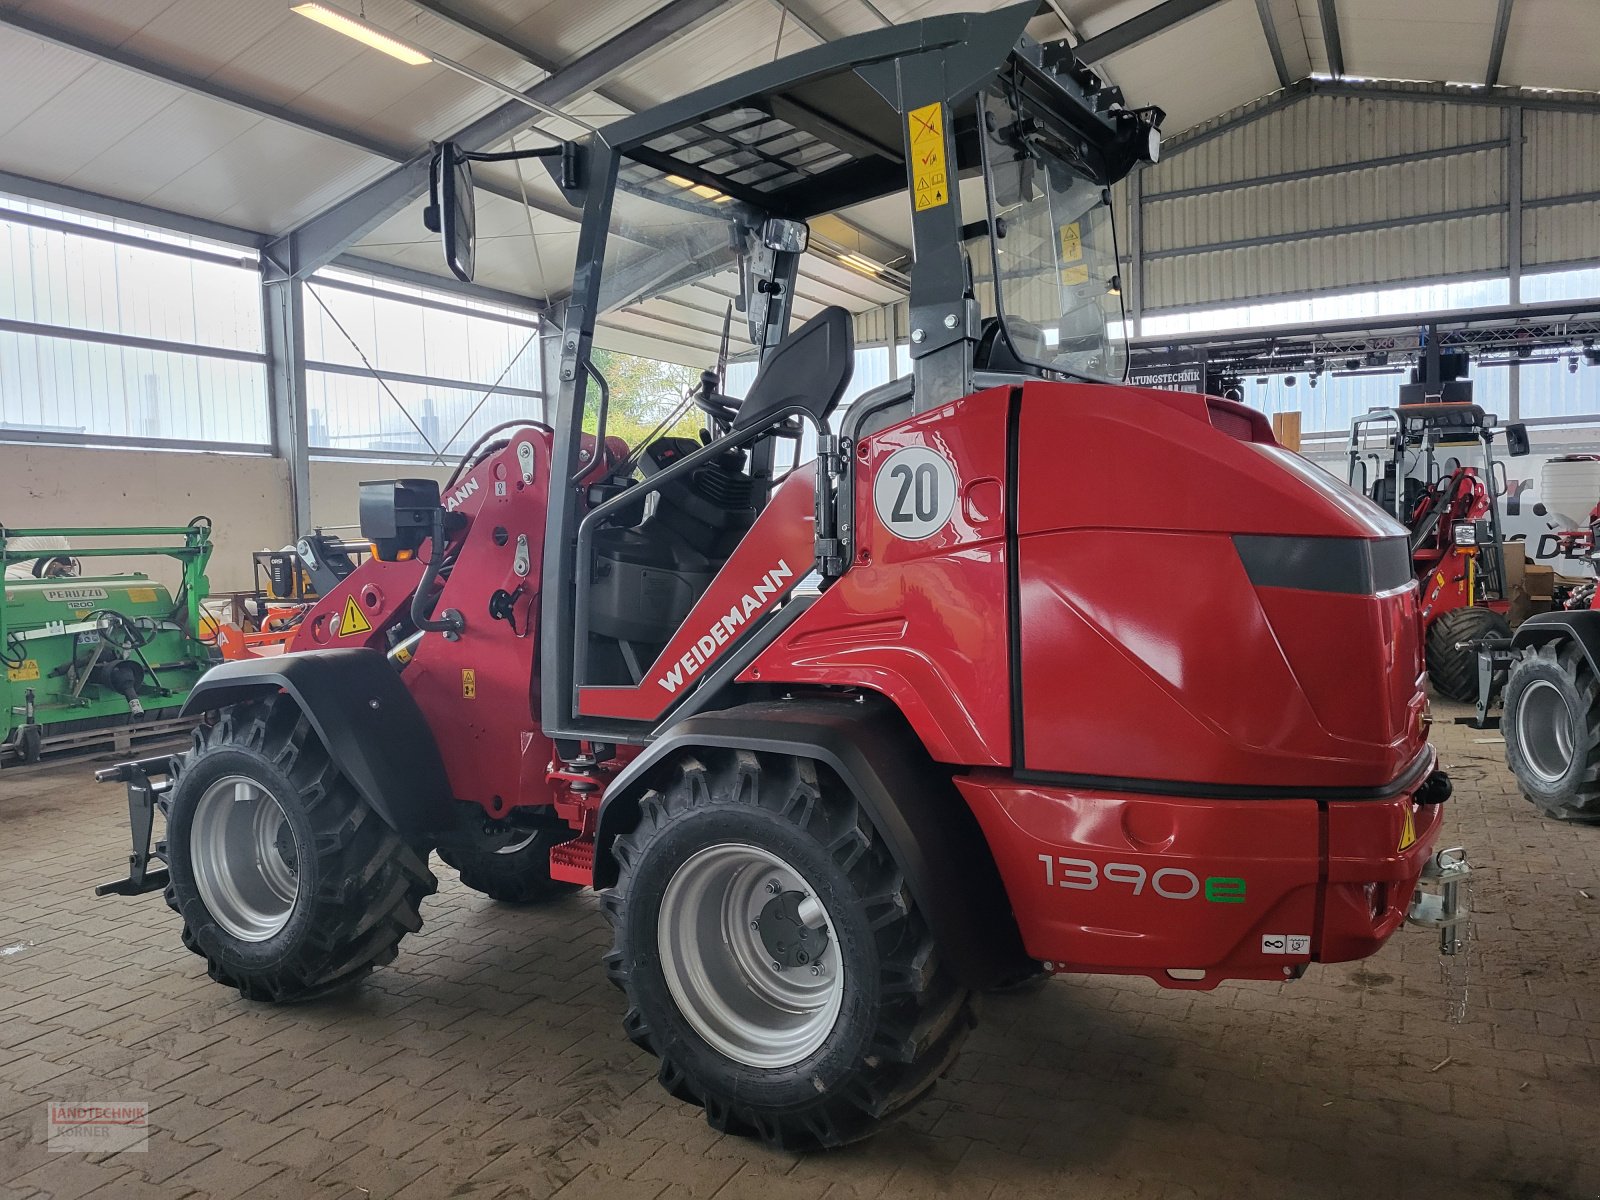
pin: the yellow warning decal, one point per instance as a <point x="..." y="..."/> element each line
<point x="141" y="595"/>
<point x="1408" y="831"/>
<point x="353" y="621"/>
<point x="1073" y="268"/>
<point x="27" y="669"/>
<point x="932" y="182"/>
<point x="469" y="684"/>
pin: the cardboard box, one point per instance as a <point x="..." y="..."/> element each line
<point x="1539" y="581"/>
<point x="1286" y="429"/>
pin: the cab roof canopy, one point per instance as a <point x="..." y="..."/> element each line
<point x="822" y="130"/>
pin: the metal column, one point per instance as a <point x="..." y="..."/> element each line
<point x="1514" y="237"/>
<point x="1135" y="281"/>
<point x="284" y="328"/>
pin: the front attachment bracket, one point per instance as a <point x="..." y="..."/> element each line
<point x="147" y="780"/>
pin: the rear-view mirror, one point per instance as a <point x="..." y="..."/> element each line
<point x="791" y="237"/>
<point x="453" y="213"/>
<point x="1517" y="443"/>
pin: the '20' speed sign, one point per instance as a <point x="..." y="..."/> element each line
<point x="915" y="492"/>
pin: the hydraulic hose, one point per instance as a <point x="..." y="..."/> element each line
<point x="452" y="622"/>
<point x="483" y="439"/>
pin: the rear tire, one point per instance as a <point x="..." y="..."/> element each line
<point x="852" y="1029"/>
<point x="1552" y="729"/>
<point x="289" y="884"/>
<point x="1453" y="672"/>
<point x="516" y="873"/>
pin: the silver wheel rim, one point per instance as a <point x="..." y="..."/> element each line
<point x="522" y="845"/>
<point x="720" y="971"/>
<point x="237" y="845"/>
<point x="1544" y="727"/>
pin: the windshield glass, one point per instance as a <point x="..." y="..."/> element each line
<point x="1055" y="260"/>
<point x="672" y="269"/>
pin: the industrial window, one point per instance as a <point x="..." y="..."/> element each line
<point x="1582" y="283"/>
<point x="111" y="331"/>
<point x="1332" y="306"/>
<point x="1338" y="396"/>
<point x="396" y="370"/>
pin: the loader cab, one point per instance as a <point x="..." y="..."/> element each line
<point x="977" y="165"/>
<point x="1433" y="467"/>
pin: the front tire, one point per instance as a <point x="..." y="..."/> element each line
<point x="1454" y="672"/>
<point x="773" y="958"/>
<point x="289" y="884"/>
<point x="1552" y="729"/>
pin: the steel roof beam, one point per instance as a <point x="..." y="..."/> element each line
<point x="1502" y="98"/>
<point x="332" y="231"/>
<point x="65" y="196"/>
<point x="1269" y="27"/>
<point x="1362" y="90"/>
<point x="131" y="60"/>
<point x="1330" y="37"/>
<point x="1146" y="25"/>
<point x="447" y="12"/>
<point x="1497" y="47"/>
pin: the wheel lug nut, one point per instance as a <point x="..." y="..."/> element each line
<point x="816" y="970"/>
<point x="755" y="926"/>
<point x="776" y="965"/>
<point x="773" y="887"/>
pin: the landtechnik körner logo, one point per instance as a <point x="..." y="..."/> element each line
<point x="98" y="1126"/>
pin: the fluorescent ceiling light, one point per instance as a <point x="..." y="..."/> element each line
<point x="364" y="31"/>
<point x="368" y="35"/>
<point x="699" y="189"/>
<point x="861" y="263"/>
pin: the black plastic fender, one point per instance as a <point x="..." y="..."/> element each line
<point x="1582" y="626"/>
<point x="910" y="799"/>
<point x="364" y="715"/>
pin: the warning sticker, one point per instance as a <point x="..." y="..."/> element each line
<point x="1286" y="943"/>
<point x="469" y="684"/>
<point x="141" y="595"/>
<point x="27" y="669"/>
<point x="1073" y="268"/>
<point x="932" y="182"/>
<point x="1408" y="830"/>
<point x="353" y="621"/>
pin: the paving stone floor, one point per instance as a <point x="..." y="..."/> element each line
<point x="489" y="1059"/>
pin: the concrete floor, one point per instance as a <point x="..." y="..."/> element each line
<point x="489" y="1059"/>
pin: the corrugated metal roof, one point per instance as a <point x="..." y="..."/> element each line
<point x="66" y="117"/>
<point x="1327" y="264"/>
<point x="1564" y="234"/>
<point x="1562" y="155"/>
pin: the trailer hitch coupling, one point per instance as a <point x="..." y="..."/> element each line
<point x="1439" y="901"/>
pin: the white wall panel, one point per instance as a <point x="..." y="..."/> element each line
<point x="1561" y="154"/>
<point x="1328" y="138"/>
<point x="1443" y="248"/>
<point x="1566" y="233"/>
<point x="245" y="497"/>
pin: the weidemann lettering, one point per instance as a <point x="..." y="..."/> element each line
<point x="723" y="628"/>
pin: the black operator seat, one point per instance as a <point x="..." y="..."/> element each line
<point x="810" y="368"/>
<point x="647" y="578"/>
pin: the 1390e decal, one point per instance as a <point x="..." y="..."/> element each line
<point x="1171" y="883"/>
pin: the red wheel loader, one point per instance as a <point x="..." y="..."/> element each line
<point x="842" y="744"/>
<point x="1432" y="465"/>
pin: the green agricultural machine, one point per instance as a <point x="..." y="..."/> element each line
<point x="91" y="658"/>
